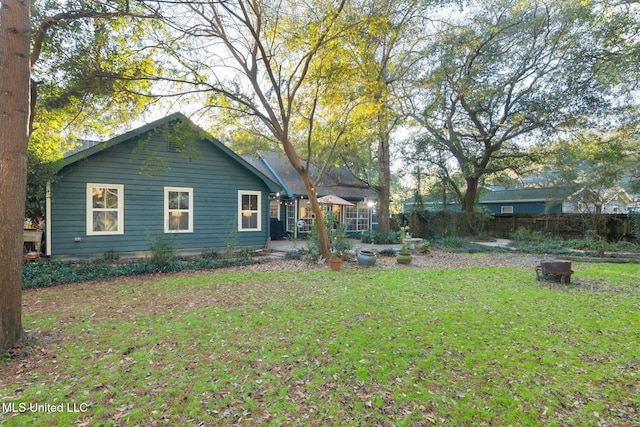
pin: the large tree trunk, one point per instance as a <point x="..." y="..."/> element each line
<point x="468" y="202"/>
<point x="14" y="120"/>
<point x="384" y="171"/>
<point x="384" y="186"/>
<point x="469" y="197"/>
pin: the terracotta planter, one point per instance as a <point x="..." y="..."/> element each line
<point x="335" y="264"/>
<point x="366" y="258"/>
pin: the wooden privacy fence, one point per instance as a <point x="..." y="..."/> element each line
<point x="429" y="225"/>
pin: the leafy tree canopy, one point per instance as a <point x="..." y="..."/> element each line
<point x="91" y="69"/>
<point x="502" y="76"/>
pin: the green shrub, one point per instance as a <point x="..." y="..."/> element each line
<point x="526" y="235"/>
<point x="367" y="236"/>
<point x="454" y="244"/>
<point x="293" y="254"/>
<point x="162" y="250"/>
<point x="381" y="238"/>
<point x="390" y="238"/>
<point x="451" y="242"/>
<point x="339" y="243"/>
<point x="389" y="252"/>
<point x="111" y="255"/>
<point x="537" y="242"/>
<point x="210" y="253"/>
<point x="484" y="236"/>
<point x="44" y="274"/>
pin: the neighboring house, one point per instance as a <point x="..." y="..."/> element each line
<point x="167" y="182"/>
<point x="291" y="210"/>
<point x="522" y="200"/>
<point x="553" y="200"/>
<point x="616" y="201"/>
<point x="499" y="200"/>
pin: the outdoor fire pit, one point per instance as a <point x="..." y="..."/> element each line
<point x="554" y="271"/>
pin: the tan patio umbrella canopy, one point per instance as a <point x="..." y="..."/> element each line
<point x="334" y="200"/>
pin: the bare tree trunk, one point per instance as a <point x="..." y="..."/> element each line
<point x="468" y="201"/>
<point x="14" y="120"/>
<point x="384" y="184"/>
<point x="384" y="169"/>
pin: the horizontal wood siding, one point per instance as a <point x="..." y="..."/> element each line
<point x="522" y="207"/>
<point x="214" y="176"/>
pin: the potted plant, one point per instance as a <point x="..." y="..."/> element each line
<point x="404" y="255"/>
<point x="335" y="263"/>
<point x="339" y="244"/>
<point x="366" y="258"/>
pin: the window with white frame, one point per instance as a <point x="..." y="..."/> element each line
<point x="105" y="209"/>
<point x="306" y="216"/>
<point x="178" y="210"/>
<point x="356" y="218"/>
<point x="506" y="209"/>
<point x="291" y="215"/>
<point x="274" y="209"/>
<point x="249" y="218"/>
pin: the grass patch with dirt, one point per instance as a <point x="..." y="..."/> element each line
<point x="402" y="346"/>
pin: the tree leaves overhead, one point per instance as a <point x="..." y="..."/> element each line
<point x="91" y="61"/>
<point x="92" y="67"/>
<point x="598" y="162"/>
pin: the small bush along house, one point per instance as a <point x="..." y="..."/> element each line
<point x="167" y="183"/>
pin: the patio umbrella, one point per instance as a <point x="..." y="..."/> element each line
<point x="334" y="200"/>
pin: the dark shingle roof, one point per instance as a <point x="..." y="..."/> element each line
<point x="278" y="168"/>
<point x="524" y="195"/>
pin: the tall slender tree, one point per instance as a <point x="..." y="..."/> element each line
<point x="15" y="33"/>
<point x="254" y="57"/>
<point x="384" y="50"/>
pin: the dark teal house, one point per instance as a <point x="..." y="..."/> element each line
<point x="291" y="212"/>
<point x="523" y="200"/>
<point x="167" y="182"/>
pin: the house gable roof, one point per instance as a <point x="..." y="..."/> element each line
<point x="95" y="148"/>
<point x="279" y="169"/>
<point x="607" y="196"/>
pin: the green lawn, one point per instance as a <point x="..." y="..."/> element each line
<point x="405" y="346"/>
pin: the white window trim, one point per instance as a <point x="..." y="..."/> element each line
<point x="506" y="209"/>
<point x="90" y="209"/>
<point x="166" y="208"/>
<point x="240" y="211"/>
<point x="276" y="204"/>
